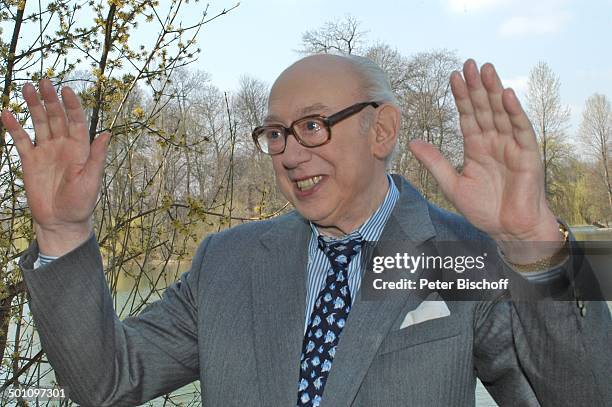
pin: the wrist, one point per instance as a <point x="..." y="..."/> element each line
<point x="60" y="240"/>
<point x="544" y="246"/>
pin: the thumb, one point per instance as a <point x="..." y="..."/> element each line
<point x="439" y="167"/>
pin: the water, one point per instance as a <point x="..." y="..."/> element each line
<point x="588" y="232"/>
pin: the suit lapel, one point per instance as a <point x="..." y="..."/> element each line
<point x="279" y="297"/>
<point x="370" y="321"/>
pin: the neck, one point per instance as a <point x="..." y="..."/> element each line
<point x="371" y="201"/>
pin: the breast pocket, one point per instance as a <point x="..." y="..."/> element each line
<point x="421" y="333"/>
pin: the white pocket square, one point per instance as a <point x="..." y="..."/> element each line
<point x="426" y="311"/>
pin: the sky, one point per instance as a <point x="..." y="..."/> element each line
<point x="260" y="37"/>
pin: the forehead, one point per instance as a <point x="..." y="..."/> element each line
<point x="299" y="112"/>
<point x="314" y="85"/>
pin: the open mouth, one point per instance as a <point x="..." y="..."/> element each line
<point x="308" y="183"/>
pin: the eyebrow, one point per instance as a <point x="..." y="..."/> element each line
<point x="305" y="111"/>
<point x="316" y="108"/>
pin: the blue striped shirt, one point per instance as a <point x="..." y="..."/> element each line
<point x="43" y="260"/>
<point x="318" y="263"/>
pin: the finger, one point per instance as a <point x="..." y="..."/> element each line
<point x="494" y="87"/>
<point x="97" y="154"/>
<point x="437" y="165"/>
<point x="18" y="134"/>
<point x="467" y="117"/>
<point x="37" y="112"/>
<point x="478" y="96"/>
<point x="55" y="110"/>
<point x="77" y="122"/>
<point x="521" y="126"/>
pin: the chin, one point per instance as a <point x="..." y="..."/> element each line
<point x="311" y="213"/>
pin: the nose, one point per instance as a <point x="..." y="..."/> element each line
<point x="295" y="153"/>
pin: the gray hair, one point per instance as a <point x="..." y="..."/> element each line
<point x="376" y="87"/>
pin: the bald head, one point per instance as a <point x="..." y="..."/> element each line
<point x="315" y="75"/>
<point x="321" y="65"/>
<point x="355" y="76"/>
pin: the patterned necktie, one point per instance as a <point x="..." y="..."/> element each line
<point x="328" y="317"/>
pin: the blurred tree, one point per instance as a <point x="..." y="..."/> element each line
<point x="337" y="36"/>
<point x="392" y="62"/>
<point x="429" y="114"/>
<point x="596" y="137"/>
<point x="549" y="118"/>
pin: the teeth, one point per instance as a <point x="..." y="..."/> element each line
<point x="308" y="183"/>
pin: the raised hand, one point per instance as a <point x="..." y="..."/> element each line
<point x="62" y="172"/>
<point x="501" y="187"/>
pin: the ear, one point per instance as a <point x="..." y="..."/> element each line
<point x="385" y="130"/>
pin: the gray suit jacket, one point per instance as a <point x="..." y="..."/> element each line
<point x="236" y="319"/>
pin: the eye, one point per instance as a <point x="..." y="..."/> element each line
<point x="273" y="134"/>
<point x="312" y="125"/>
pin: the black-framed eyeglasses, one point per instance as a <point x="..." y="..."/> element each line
<point x="309" y="131"/>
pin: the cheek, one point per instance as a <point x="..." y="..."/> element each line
<point x="354" y="166"/>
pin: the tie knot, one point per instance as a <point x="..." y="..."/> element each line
<point x="340" y="252"/>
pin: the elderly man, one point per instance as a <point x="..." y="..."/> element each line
<point x="269" y="313"/>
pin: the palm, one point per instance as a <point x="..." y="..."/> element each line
<point x="500" y="189"/>
<point x="62" y="172"/>
<point x="57" y="186"/>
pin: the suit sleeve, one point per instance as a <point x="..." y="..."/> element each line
<point x="544" y="351"/>
<point x="101" y="360"/>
